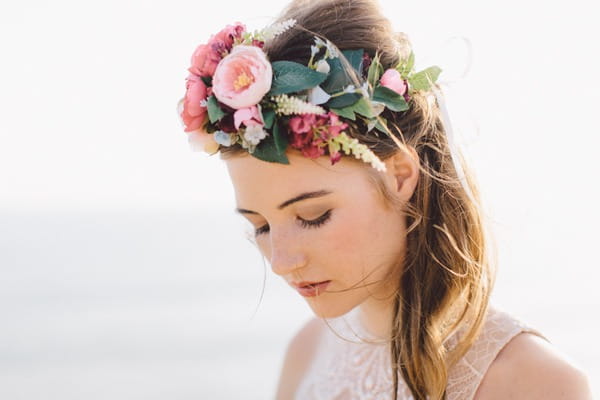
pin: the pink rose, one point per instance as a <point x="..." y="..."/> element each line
<point x="243" y="77"/>
<point x="391" y="79"/>
<point x="200" y="140"/>
<point x="204" y="61"/>
<point x="247" y="116"/>
<point x="193" y="114"/>
<point x="225" y="38"/>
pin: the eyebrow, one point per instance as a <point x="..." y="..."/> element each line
<point x="300" y="197"/>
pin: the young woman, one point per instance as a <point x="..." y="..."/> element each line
<point x="340" y="158"/>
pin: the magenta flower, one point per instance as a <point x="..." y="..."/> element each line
<point x="310" y="133"/>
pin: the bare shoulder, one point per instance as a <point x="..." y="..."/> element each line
<point x="297" y="358"/>
<point x="529" y="367"/>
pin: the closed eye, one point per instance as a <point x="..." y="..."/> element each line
<point x="305" y="223"/>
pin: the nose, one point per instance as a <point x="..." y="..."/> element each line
<point x="287" y="254"/>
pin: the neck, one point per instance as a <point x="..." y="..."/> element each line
<point x="376" y="316"/>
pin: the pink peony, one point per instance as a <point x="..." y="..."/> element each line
<point x="204" y="61"/>
<point x="207" y="56"/>
<point x="247" y="116"/>
<point x="200" y="140"/>
<point x="391" y="79"/>
<point x="243" y="77"/>
<point x="193" y="114"/>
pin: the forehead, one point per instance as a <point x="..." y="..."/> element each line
<point x="263" y="184"/>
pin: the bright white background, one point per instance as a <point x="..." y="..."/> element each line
<point x="125" y="274"/>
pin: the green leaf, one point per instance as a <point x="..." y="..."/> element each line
<point x="424" y="79"/>
<point x="406" y="66"/>
<point x="344" y="100"/>
<point x="207" y="80"/>
<point x="268" y="118"/>
<point x="391" y="99"/>
<point x="345" y="112"/>
<point x="375" y="71"/>
<point x="381" y="125"/>
<point x="364" y="108"/>
<point x="355" y="58"/>
<point x="281" y="139"/>
<point x="267" y="150"/>
<point x="214" y="111"/>
<point x="339" y="77"/>
<point x="290" y="77"/>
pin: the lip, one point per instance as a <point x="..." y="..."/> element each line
<point x="311" y="289"/>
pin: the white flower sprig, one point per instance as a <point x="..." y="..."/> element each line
<point x="274" y="30"/>
<point x="287" y="105"/>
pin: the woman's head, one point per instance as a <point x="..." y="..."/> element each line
<point x="412" y="235"/>
<point x="320" y="223"/>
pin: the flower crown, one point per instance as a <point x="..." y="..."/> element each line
<point x="235" y="95"/>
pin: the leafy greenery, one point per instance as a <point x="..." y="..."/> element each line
<point x="215" y="113"/>
<point x="339" y="77"/>
<point x="424" y="79"/>
<point x="268" y="118"/>
<point x="344" y="100"/>
<point x="391" y="99"/>
<point x="405" y="66"/>
<point x="291" y="77"/>
<point x="272" y="148"/>
<point x="375" y="71"/>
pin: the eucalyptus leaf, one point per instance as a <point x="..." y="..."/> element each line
<point x="291" y="77"/>
<point x="406" y="66"/>
<point x="391" y="99"/>
<point x="424" y="79"/>
<point x="364" y="108"/>
<point x="355" y="58"/>
<point x="215" y="113"/>
<point x="267" y="150"/>
<point x="344" y="100"/>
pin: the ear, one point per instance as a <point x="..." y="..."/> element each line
<point x="403" y="172"/>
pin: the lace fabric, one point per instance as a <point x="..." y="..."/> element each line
<point x="349" y="363"/>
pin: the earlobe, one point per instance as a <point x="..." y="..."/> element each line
<point x="403" y="168"/>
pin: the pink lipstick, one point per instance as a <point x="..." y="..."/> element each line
<point x="308" y="289"/>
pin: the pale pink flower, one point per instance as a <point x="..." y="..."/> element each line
<point x="200" y="140"/>
<point x="248" y="116"/>
<point x="243" y="77"/>
<point x="192" y="112"/>
<point x="392" y="79"/>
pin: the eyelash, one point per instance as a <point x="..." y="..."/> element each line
<point x="313" y="223"/>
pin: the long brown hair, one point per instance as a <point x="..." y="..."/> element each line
<point x="446" y="276"/>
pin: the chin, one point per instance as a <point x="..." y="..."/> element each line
<point x="324" y="309"/>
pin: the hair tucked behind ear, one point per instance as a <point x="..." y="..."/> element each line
<point x="446" y="277"/>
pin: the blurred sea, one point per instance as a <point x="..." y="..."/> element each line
<point x="164" y="305"/>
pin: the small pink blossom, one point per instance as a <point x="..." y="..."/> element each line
<point x="243" y="77"/>
<point x="248" y="116"/>
<point x="227" y="36"/>
<point x="193" y="113"/>
<point x="310" y="133"/>
<point x="392" y="79"/>
<point x="200" y="140"/>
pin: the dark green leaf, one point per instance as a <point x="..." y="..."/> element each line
<point x="344" y="100"/>
<point x="281" y="139"/>
<point x="355" y="58"/>
<point x="424" y="79"/>
<point x="207" y="80"/>
<point x="214" y="111"/>
<point x="267" y="151"/>
<point x="391" y="99"/>
<point x="364" y="108"/>
<point x="268" y="118"/>
<point x="291" y="77"/>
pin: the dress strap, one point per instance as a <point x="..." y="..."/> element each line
<point x="498" y="329"/>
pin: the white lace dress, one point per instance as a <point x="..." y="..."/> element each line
<point x="352" y="368"/>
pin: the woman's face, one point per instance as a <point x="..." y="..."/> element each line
<point x="325" y="225"/>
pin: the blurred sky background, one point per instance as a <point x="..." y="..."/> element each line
<point x="124" y="273"/>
